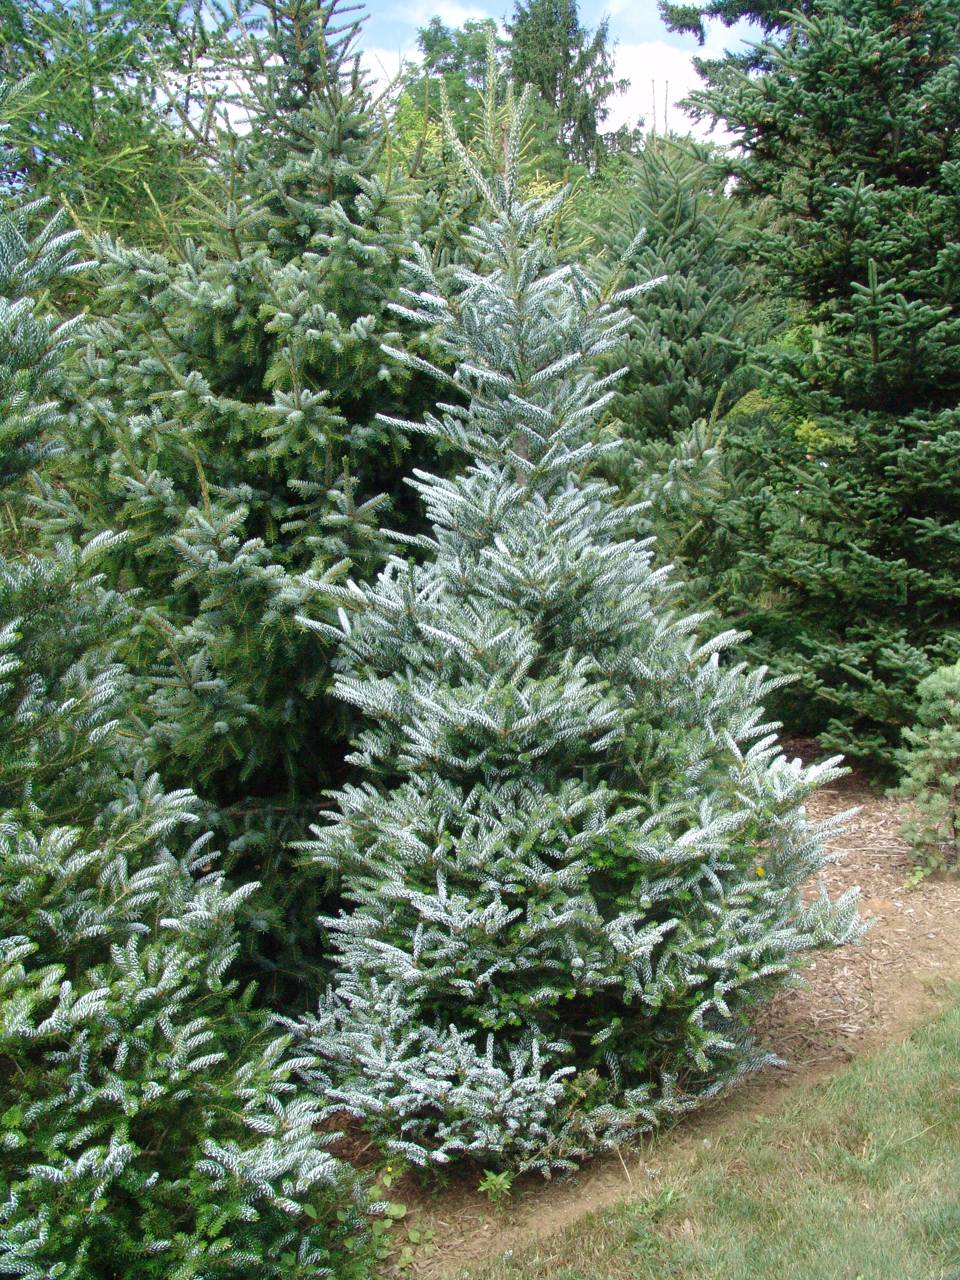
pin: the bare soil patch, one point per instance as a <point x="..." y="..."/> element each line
<point x="854" y="1000"/>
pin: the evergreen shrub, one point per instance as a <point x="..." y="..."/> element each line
<point x="573" y="867"/>
<point x="151" y="1123"/>
<point x="930" y="763"/>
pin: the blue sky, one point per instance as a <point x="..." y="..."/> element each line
<point x="391" y="21"/>
<point x="656" y="61"/>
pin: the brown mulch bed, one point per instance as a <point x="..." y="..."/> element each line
<point x="861" y="996"/>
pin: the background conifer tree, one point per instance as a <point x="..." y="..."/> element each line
<point x="849" y="130"/>
<point x="571" y="69"/>
<point x="664" y="215"/>
<point x="686" y="355"/>
<point x="574" y="865"/>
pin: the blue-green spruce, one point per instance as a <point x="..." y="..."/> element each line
<point x="574" y="867"/>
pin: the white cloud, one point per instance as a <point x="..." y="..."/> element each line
<point x="384" y="65"/>
<point x="660" y="75"/>
<point x="450" y="12"/>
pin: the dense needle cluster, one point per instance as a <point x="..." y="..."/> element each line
<point x="574" y="866"/>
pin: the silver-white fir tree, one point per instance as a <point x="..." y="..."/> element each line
<point x="575" y="868"/>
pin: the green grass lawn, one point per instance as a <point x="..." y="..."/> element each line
<point x="859" y="1179"/>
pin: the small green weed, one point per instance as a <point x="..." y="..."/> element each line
<point x="497" y="1187"/>
<point x="399" y="1244"/>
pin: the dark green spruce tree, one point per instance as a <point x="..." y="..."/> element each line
<point x="667" y="211"/>
<point x="570" y="67"/>
<point x="149" y="1122"/>
<point x="225" y="418"/>
<point x="851" y="573"/>
<point x="664" y="218"/>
